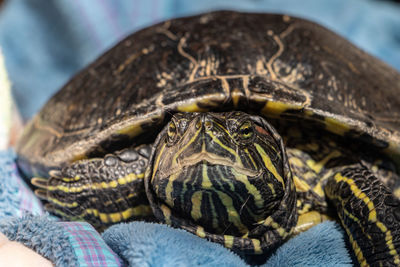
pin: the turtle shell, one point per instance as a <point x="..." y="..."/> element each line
<point x="274" y="65"/>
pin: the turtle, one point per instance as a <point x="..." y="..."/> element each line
<point x="241" y="128"/>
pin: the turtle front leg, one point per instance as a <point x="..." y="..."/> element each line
<point x="369" y="213"/>
<point x="101" y="191"/>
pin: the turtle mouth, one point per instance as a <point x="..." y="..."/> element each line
<point x="211" y="159"/>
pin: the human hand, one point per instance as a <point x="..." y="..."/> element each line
<point x="15" y="254"/>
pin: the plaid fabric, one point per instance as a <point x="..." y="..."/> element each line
<point x="15" y="196"/>
<point x="28" y="202"/>
<point x="89" y="247"/>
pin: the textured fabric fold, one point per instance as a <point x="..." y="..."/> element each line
<point x="16" y="197"/>
<point x="148" y="244"/>
<point x="42" y="235"/>
<point x="322" y="245"/>
<point x="89" y="247"/>
<point x="63" y="243"/>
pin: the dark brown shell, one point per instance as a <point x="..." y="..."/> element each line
<point x="235" y="60"/>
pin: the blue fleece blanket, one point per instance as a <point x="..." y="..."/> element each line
<point x="147" y="244"/>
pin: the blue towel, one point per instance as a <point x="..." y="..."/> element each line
<point x="146" y="244"/>
<point x="149" y="244"/>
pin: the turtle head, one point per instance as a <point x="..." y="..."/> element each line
<point x="225" y="177"/>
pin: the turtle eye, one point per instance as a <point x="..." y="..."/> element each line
<point x="246" y="130"/>
<point x="172" y="131"/>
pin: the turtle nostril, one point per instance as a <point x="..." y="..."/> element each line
<point x="208" y="125"/>
<point x="205" y="121"/>
<point x="198" y="124"/>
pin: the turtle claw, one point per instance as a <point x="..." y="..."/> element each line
<point x="55" y="173"/>
<point x="50" y="207"/>
<point x="39" y="182"/>
<point x="40" y="193"/>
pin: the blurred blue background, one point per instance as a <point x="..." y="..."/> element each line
<point x="46" y="42"/>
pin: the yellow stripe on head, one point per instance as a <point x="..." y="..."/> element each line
<point x="269" y="165"/>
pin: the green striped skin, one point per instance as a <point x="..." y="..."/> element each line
<point x="369" y="213"/>
<point x="223" y="176"/>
